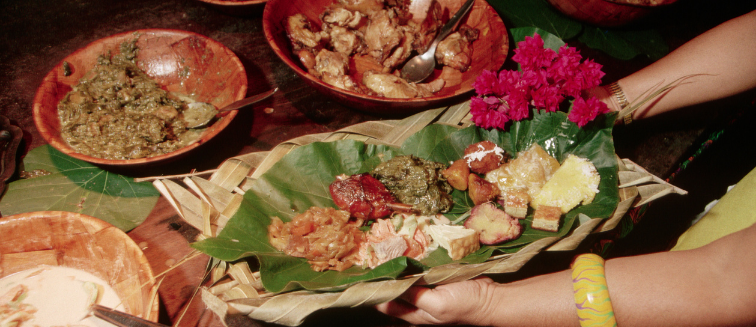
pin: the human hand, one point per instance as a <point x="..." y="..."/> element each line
<point x="604" y="95"/>
<point x="463" y="302"/>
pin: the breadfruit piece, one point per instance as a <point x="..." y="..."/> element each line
<point x="494" y="225"/>
<point x="575" y="182"/>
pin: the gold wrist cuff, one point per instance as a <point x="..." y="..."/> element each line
<point x="622" y="100"/>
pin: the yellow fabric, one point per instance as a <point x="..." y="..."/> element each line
<point x="735" y="211"/>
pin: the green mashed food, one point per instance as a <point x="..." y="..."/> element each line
<point x="118" y="112"/>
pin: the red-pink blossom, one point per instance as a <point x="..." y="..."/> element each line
<point x="548" y="98"/>
<point x="584" y="111"/>
<point x="485" y="82"/>
<point x="486" y="114"/>
<point x="531" y="54"/>
<point x="546" y="78"/>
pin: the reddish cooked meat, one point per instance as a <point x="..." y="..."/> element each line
<point x="362" y="195"/>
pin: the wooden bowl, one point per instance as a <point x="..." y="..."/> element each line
<point x="608" y="13"/>
<point x="180" y="61"/>
<point x="489" y="53"/>
<point x="58" y="238"/>
<point x="236" y="7"/>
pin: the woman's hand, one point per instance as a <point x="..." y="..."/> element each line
<point x="465" y="302"/>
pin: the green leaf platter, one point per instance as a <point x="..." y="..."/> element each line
<point x="300" y="180"/>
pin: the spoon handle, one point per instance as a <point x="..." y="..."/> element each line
<point x="247" y="101"/>
<point x="451" y="25"/>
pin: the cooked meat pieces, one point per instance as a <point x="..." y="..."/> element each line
<point x="401" y="53"/>
<point x="392" y="86"/>
<point x="362" y="195"/>
<point x="333" y="68"/>
<point x="426" y="30"/>
<point x="383" y="34"/>
<point x="334" y="63"/>
<point x="456" y="49"/>
<point x="344" y="82"/>
<point x="300" y="32"/>
<point x="339" y="16"/>
<point x="307" y="58"/>
<point x="364" y="6"/>
<point x="344" y="40"/>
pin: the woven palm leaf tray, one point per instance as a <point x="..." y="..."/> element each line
<point x="208" y="203"/>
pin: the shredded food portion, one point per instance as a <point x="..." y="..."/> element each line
<point x="13" y="311"/>
<point x="326" y="237"/>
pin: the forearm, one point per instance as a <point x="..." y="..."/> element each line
<point x="708" y="286"/>
<point x="720" y="63"/>
<point x="545" y="300"/>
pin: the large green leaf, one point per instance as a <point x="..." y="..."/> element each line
<point x="625" y="44"/>
<point x="537" y="13"/>
<point x="300" y="180"/>
<point x="559" y="137"/>
<point x="622" y="43"/>
<point x="77" y="186"/>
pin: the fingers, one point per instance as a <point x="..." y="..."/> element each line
<point x="405" y="311"/>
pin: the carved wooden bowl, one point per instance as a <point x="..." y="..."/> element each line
<point x="608" y="13"/>
<point x="489" y="53"/>
<point x="180" y="61"/>
<point x="236" y="7"/>
<point x="66" y="239"/>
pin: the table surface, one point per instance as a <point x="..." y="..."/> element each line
<point x="35" y="35"/>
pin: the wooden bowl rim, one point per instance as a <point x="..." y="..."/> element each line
<point x="99" y="225"/>
<point x="60" y="145"/>
<point x="234" y="3"/>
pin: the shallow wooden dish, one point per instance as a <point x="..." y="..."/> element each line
<point x="180" y="61"/>
<point x="236" y="7"/>
<point x="489" y="53"/>
<point x="58" y="238"/>
<point x="608" y="13"/>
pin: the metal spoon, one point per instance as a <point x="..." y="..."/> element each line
<point x="421" y="66"/>
<point x="199" y="114"/>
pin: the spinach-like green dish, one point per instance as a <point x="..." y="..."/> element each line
<point x="118" y="112"/>
<point x="417" y="182"/>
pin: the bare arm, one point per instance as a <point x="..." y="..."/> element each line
<point x="722" y="62"/>
<point x="708" y="286"/>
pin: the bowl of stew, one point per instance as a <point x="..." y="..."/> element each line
<point x="365" y="22"/>
<point x="121" y="100"/>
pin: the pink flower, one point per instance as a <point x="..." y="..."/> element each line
<point x="531" y="54"/>
<point x="508" y="81"/>
<point x="485" y="112"/>
<point x="485" y="82"/>
<point x="548" y="98"/>
<point x="546" y="79"/>
<point x="591" y="74"/>
<point x="518" y="105"/>
<point x="584" y="111"/>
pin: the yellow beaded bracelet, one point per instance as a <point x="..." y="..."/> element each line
<point x="594" y="308"/>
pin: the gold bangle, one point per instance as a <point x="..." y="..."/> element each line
<point x="622" y="100"/>
<point x="594" y="307"/>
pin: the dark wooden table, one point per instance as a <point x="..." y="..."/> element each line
<point x="36" y="34"/>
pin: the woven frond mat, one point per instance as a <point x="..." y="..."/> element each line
<point x="208" y="203"/>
